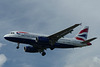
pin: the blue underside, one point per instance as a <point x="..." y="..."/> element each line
<point x="33" y="42"/>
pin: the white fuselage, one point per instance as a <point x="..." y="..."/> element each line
<point x="39" y="43"/>
<point x="30" y="38"/>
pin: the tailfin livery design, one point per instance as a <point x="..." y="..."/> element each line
<point x="82" y="35"/>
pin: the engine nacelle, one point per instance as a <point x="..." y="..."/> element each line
<point x="30" y="49"/>
<point x="42" y="40"/>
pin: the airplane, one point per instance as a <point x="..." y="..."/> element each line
<point x="40" y="43"/>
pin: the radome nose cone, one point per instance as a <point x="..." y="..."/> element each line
<point x="6" y="37"/>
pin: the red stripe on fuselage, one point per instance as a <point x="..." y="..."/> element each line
<point x="85" y="30"/>
<point x="21" y="32"/>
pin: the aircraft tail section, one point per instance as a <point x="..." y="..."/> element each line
<point x="89" y="40"/>
<point x="82" y="35"/>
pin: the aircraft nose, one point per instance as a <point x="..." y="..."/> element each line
<point x="6" y="37"/>
<point x="9" y="37"/>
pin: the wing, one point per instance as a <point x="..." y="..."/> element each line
<point x="55" y="37"/>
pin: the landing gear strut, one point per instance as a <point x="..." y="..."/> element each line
<point x="17" y="46"/>
<point x="51" y="47"/>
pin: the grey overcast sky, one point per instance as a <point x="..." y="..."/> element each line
<point x="48" y="17"/>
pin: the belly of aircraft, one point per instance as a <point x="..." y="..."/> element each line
<point x="31" y="41"/>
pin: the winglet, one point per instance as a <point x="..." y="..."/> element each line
<point x="81" y="24"/>
<point x="78" y="24"/>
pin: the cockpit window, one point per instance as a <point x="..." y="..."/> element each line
<point x="12" y="33"/>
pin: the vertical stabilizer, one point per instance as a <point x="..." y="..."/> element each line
<point x="82" y="35"/>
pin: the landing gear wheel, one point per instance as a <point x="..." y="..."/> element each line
<point x="17" y="47"/>
<point x="43" y="53"/>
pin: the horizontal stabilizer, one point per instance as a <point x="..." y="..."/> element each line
<point x="89" y="40"/>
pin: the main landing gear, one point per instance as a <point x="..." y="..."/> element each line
<point x="17" y="46"/>
<point x="43" y="53"/>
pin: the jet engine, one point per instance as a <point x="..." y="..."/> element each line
<point x="30" y="49"/>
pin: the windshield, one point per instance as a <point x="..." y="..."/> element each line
<point x="12" y="32"/>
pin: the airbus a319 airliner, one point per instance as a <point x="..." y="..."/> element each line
<point x="39" y="43"/>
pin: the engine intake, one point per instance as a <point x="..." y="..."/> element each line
<point x="30" y="49"/>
